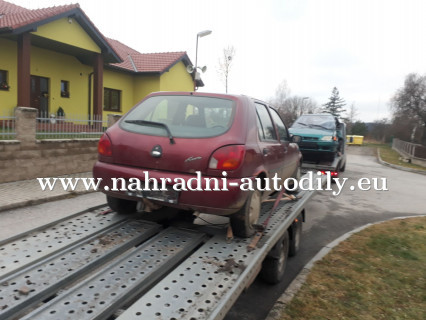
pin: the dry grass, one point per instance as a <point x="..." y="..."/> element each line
<point x="379" y="273"/>
<point x="391" y="156"/>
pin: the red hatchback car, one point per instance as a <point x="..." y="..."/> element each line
<point x="208" y="142"/>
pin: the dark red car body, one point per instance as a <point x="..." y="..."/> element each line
<point x="130" y="155"/>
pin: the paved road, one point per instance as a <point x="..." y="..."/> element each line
<point x="329" y="217"/>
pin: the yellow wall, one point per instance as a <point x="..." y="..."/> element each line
<point x="176" y="79"/>
<point x="8" y="62"/>
<point x="70" y="33"/>
<point x="144" y="85"/>
<point x="123" y="82"/>
<point x="57" y="67"/>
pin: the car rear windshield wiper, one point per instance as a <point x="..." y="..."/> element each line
<point x="156" y="124"/>
<point x="303" y="124"/>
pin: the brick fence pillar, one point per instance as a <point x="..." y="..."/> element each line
<point x="113" y="118"/>
<point x="25" y="124"/>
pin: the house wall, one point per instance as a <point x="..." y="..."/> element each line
<point x="176" y="79"/>
<point x="125" y="83"/>
<point x="57" y="66"/>
<point x="72" y="33"/>
<point x="144" y="85"/>
<point x="9" y="62"/>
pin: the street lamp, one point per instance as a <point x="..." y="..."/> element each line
<point x="199" y="35"/>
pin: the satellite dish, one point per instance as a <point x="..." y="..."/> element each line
<point x="190" y="69"/>
<point x="203" y="69"/>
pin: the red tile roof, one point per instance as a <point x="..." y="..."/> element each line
<point x="145" y="62"/>
<point x="13" y="17"/>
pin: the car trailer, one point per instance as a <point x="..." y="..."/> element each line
<point x="97" y="264"/>
<point x="334" y="166"/>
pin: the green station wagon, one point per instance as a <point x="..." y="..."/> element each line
<point x="322" y="136"/>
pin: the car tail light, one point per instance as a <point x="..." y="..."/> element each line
<point x="104" y="146"/>
<point x="227" y="158"/>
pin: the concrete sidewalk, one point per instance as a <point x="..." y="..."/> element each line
<point x="28" y="192"/>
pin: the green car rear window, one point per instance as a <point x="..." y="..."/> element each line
<point x="183" y="116"/>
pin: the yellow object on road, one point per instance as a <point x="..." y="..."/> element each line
<point x="351" y="139"/>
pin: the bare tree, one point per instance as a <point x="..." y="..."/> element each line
<point x="225" y="63"/>
<point x="410" y="102"/>
<point x="291" y="107"/>
<point x="351" y="118"/>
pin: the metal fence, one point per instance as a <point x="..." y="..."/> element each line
<point x="70" y="126"/>
<point x="7" y="127"/>
<point x="408" y="149"/>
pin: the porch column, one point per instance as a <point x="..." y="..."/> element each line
<point x="24" y="73"/>
<point x="98" y="85"/>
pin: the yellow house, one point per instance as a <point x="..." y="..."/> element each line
<point x="55" y="60"/>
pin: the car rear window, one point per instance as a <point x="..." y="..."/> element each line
<point x="183" y="116"/>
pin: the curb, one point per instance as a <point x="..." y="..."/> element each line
<point x="296" y="284"/>
<point x="33" y="202"/>
<point x="379" y="158"/>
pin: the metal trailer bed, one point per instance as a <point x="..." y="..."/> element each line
<point x="108" y="266"/>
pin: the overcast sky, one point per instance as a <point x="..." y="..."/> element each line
<point x="363" y="47"/>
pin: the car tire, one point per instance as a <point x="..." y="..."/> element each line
<point x="121" y="206"/>
<point x="296" y="237"/>
<point x="243" y="221"/>
<point x="273" y="268"/>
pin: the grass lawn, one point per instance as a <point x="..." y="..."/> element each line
<point x="378" y="273"/>
<point x="391" y="156"/>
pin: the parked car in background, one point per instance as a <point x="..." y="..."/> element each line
<point x="322" y="136"/>
<point x="177" y="134"/>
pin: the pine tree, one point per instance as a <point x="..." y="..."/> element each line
<point x="335" y="104"/>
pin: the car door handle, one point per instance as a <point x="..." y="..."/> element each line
<point x="265" y="152"/>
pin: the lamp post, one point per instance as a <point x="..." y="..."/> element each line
<point x="199" y="35"/>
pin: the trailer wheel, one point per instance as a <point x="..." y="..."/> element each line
<point x="296" y="236"/>
<point x="243" y="221"/>
<point x="121" y="206"/>
<point x="273" y="267"/>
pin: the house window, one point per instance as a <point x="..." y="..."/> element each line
<point x="65" y="89"/>
<point x="112" y="99"/>
<point x="4" y="85"/>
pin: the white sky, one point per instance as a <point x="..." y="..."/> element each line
<point x="363" y="47"/>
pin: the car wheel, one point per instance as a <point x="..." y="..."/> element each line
<point x="296" y="237"/>
<point x="273" y="268"/>
<point x="243" y="221"/>
<point x="121" y="206"/>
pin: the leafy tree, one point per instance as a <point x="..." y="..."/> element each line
<point x="359" y="128"/>
<point x="335" y="104"/>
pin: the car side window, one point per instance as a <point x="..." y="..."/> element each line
<point x="265" y="125"/>
<point x="282" y="130"/>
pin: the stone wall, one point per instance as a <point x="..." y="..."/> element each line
<point x="28" y="158"/>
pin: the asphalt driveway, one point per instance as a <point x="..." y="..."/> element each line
<point x="328" y="217"/>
